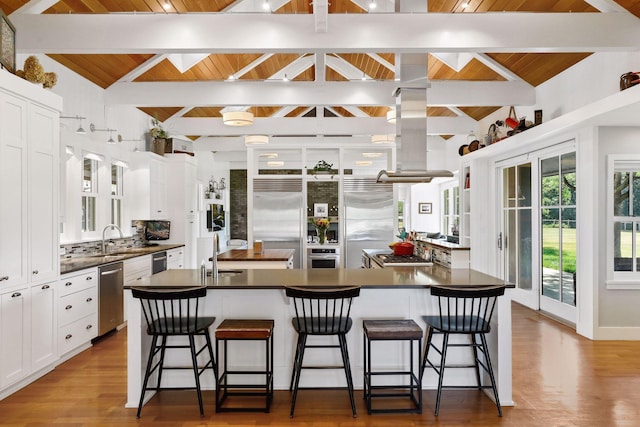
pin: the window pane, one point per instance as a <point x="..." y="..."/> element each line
<point x="510" y="243"/>
<point x="88" y="213"/>
<point x="116" y="212"/>
<point x="525" y="273"/>
<point x="622" y="246"/>
<point x="549" y="182"/>
<point x="524" y="185"/>
<point x="551" y="253"/>
<point x="568" y="179"/>
<point x="635" y="207"/>
<point x="621" y="194"/>
<point x="568" y="255"/>
<point x="116" y="180"/>
<point x="456" y="200"/>
<point x="445" y="202"/>
<point x="88" y="175"/>
<point x="509" y="182"/>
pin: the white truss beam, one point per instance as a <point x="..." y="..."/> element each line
<point x="279" y="93"/>
<point x="415" y="32"/>
<point x="321" y="15"/>
<point x="497" y="67"/>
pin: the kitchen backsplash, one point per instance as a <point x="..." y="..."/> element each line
<point x="71" y="250"/>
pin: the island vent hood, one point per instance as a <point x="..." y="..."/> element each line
<point x="411" y="139"/>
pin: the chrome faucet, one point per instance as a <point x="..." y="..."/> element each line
<point x="214" y="259"/>
<point x="104" y="230"/>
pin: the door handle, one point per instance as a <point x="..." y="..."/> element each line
<point x="500" y="240"/>
<point x="106" y="273"/>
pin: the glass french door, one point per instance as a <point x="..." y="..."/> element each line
<point x="558" y="235"/>
<point x="516" y="238"/>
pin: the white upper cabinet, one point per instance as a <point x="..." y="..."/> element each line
<point x="149" y="174"/>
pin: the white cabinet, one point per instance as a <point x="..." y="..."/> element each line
<point x="77" y="311"/>
<point x="175" y="259"/>
<point x="149" y="173"/>
<point x="135" y="269"/>
<point x="183" y="202"/>
<point x="14" y="336"/>
<point x="29" y="165"/>
<point x="43" y="325"/>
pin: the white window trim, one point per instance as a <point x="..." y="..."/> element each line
<point x="621" y="279"/>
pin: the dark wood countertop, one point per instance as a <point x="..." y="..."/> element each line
<point x="76" y="263"/>
<point x="397" y="277"/>
<point x="249" y="255"/>
<point x="443" y="244"/>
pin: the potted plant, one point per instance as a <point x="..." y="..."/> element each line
<point x="159" y="136"/>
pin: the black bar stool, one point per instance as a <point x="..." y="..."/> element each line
<point x="244" y="330"/>
<point x="171" y="313"/>
<point x="465" y="311"/>
<point x="393" y="330"/>
<point x="321" y="311"/>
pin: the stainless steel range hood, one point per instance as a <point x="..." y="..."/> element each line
<point x="411" y="128"/>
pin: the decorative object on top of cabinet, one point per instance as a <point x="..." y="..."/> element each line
<point x="34" y="72"/>
<point x="512" y="120"/>
<point x="629" y="79"/>
<point x="322" y="166"/>
<point x="215" y="188"/>
<point x="7" y="43"/>
<point x="159" y="136"/>
<point x="467" y="181"/>
<point x="322" y="225"/>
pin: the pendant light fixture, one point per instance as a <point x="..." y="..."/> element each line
<point x="237" y="118"/>
<point x="80" y="130"/>
<point x="256" y="140"/>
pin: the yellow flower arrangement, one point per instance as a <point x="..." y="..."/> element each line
<point x="321" y="223"/>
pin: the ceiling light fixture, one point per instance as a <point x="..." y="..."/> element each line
<point x="285" y="78"/>
<point x="80" y="130"/>
<point x="265" y="5"/>
<point x="372" y="5"/>
<point x="237" y="118"/>
<point x="166" y="5"/>
<point x="269" y="155"/>
<point x="364" y="162"/>
<point x="383" y="139"/>
<point x="372" y="155"/>
<point x="93" y="128"/>
<point x="275" y="163"/>
<point x="231" y="78"/>
<point x="256" y="140"/>
<point x="364" y="77"/>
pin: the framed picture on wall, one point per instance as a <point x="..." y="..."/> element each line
<point x="424" y="208"/>
<point x="7" y="43"/>
<point x="321" y="210"/>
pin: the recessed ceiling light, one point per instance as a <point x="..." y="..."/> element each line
<point x="464" y="5"/>
<point x="371" y="155"/>
<point x="372" y="5"/>
<point x="265" y="5"/>
<point x="166" y="5"/>
<point x="285" y="78"/>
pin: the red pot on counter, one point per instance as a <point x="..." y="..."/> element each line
<point x="403" y="249"/>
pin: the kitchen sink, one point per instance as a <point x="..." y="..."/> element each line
<point x="111" y="257"/>
<point x="226" y="273"/>
<point x="130" y="251"/>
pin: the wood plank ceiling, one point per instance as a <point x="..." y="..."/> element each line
<point x="106" y="69"/>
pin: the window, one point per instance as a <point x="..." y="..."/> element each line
<point x="116" y="194"/>
<point x="451" y="209"/>
<point x="624" y="224"/>
<point x="89" y="193"/>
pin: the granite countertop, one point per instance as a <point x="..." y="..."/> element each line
<point x="249" y="255"/>
<point x="397" y="277"/>
<point x="443" y="243"/>
<point x="76" y="263"/>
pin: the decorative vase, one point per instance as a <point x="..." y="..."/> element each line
<point x="322" y="235"/>
<point x="158" y="146"/>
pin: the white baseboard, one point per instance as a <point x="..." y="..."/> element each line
<point x="631" y="333"/>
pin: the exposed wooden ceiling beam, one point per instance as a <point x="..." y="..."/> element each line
<point x="234" y="33"/>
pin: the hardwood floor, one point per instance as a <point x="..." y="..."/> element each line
<point x="560" y="379"/>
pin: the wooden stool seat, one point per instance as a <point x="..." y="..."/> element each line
<point x="402" y="329"/>
<point x="393" y="330"/>
<point x="244" y="329"/>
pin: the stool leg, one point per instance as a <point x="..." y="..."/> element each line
<point x="485" y="351"/>
<point x="302" y="338"/>
<point x="163" y="347"/>
<point x="474" y="346"/>
<point x="445" y="343"/>
<point x="347" y="370"/>
<point x="425" y="354"/>
<point x="299" y="344"/>
<point x="194" y="360"/>
<point x="211" y="357"/>
<point x="147" y="373"/>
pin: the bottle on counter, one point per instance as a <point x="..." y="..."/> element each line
<point x="203" y="273"/>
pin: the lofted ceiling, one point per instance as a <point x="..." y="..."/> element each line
<point x="187" y="61"/>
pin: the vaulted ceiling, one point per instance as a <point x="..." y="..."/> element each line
<point x="187" y="61"/>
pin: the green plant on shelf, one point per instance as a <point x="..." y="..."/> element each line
<point x="322" y="166"/>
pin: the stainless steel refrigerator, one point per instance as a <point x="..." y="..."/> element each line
<point x="368" y="218"/>
<point x="278" y="215"/>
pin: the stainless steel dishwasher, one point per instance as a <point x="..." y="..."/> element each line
<point x="110" y="308"/>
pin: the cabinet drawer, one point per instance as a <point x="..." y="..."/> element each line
<point x="137" y="268"/>
<point x="75" y="283"/>
<point x="77" y="333"/>
<point x="75" y="306"/>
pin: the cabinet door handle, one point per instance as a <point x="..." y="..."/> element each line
<point x="89" y="327"/>
<point x="89" y="278"/>
<point x="68" y="284"/>
<point x="68" y="337"/>
<point x="89" y="299"/>
<point x="16" y="295"/>
<point x="45" y="286"/>
<point x="35" y="271"/>
<point x="69" y="307"/>
<point x="4" y="278"/>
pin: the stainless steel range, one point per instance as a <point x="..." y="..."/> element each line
<point x="392" y="260"/>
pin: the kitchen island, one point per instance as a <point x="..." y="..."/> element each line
<point x="259" y="294"/>
<point x="248" y="259"/>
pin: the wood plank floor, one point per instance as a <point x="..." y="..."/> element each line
<point x="560" y="379"/>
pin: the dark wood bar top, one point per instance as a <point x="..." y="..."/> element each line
<point x="397" y="277"/>
<point x="249" y="255"/>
